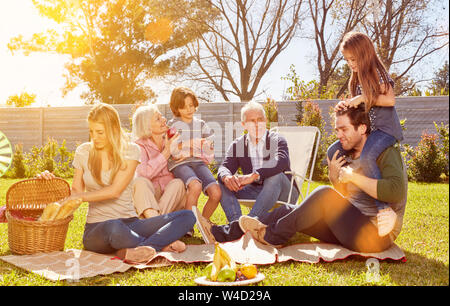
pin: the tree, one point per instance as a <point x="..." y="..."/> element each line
<point x="331" y="21"/>
<point x="301" y="90"/>
<point x="404" y="34"/>
<point x="238" y="48"/>
<point x="439" y="84"/>
<point x="21" y="100"/>
<point x="402" y="31"/>
<point x="115" y="47"/>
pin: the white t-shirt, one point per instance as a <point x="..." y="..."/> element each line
<point x="100" y="211"/>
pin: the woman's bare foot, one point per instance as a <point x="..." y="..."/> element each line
<point x="137" y="255"/>
<point x="176" y="246"/>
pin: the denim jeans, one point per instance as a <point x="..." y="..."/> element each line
<point x="326" y="215"/>
<point x="376" y="143"/>
<point x="195" y="170"/>
<point x="157" y="232"/>
<point x="275" y="188"/>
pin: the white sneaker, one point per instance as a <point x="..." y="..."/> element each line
<point x="386" y="219"/>
<point x="204" y="226"/>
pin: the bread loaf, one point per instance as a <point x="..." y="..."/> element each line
<point x="68" y="207"/>
<point x="50" y="212"/>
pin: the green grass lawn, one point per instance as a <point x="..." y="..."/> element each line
<point x="424" y="239"/>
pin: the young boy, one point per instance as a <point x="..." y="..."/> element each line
<point x="196" y="151"/>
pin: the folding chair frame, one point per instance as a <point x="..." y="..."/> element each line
<point x="309" y="180"/>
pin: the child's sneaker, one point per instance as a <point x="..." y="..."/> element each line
<point x="204" y="226"/>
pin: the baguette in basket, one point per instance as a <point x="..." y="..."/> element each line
<point x="50" y="212"/>
<point x="68" y="207"/>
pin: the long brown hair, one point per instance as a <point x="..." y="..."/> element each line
<point x="117" y="141"/>
<point x="370" y="68"/>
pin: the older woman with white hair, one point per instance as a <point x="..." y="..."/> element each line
<point x="156" y="190"/>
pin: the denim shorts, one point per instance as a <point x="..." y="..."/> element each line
<point x="195" y="171"/>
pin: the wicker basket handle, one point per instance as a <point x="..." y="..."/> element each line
<point x="35" y="194"/>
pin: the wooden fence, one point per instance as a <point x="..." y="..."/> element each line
<point x="33" y="126"/>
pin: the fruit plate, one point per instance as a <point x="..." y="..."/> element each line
<point x="204" y="282"/>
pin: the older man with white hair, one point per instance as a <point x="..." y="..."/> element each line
<point x="263" y="157"/>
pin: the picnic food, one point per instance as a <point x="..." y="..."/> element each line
<point x="207" y="270"/>
<point x="223" y="268"/>
<point x="226" y="274"/>
<point x="248" y="270"/>
<point x="68" y="207"/>
<point x="171" y="132"/>
<point x="50" y="212"/>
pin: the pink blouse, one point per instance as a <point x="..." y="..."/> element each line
<point x="153" y="164"/>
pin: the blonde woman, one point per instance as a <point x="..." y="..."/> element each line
<point x="156" y="190"/>
<point x="104" y="171"/>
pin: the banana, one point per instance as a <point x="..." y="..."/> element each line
<point x="217" y="263"/>
<point x="221" y="259"/>
<point x="227" y="258"/>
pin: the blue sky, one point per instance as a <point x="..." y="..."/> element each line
<point x="42" y="73"/>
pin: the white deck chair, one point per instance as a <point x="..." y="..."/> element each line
<point x="303" y="143"/>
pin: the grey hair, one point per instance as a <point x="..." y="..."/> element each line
<point x="249" y="106"/>
<point x="141" y="121"/>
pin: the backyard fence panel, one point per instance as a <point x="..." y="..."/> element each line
<point x="22" y="126"/>
<point x="33" y="126"/>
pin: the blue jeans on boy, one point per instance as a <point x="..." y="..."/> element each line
<point x="197" y="170"/>
<point x="376" y="143"/>
<point x="273" y="189"/>
<point x="157" y="232"/>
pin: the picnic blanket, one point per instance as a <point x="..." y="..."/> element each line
<point x="75" y="264"/>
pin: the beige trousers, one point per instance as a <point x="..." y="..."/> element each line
<point x="146" y="196"/>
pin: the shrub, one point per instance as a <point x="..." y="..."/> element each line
<point x="18" y="168"/>
<point x="64" y="165"/>
<point x="312" y="116"/>
<point x="51" y="157"/>
<point x="301" y="90"/>
<point x="443" y="138"/>
<point x="271" y="109"/>
<point x="214" y="167"/>
<point x="427" y="162"/>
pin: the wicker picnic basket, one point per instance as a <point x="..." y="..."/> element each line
<point x="30" y="197"/>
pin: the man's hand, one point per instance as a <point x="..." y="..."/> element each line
<point x="334" y="166"/>
<point x="345" y="175"/>
<point x="231" y="182"/>
<point x="247" y="179"/>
